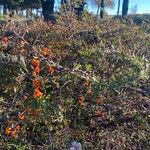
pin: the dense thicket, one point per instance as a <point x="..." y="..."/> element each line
<point x="77" y="80"/>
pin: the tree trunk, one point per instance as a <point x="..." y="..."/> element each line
<point x="27" y="12"/>
<point x="63" y="2"/>
<point x="118" y="8"/>
<point x="48" y="10"/>
<point x="125" y="6"/>
<point x="31" y="12"/>
<point x="17" y="12"/>
<point x="102" y="9"/>
<point x="4" y="9"/>
<point x="98" y="8"/>
<point x="37" y="11"/>
<point x="1" y="9"/>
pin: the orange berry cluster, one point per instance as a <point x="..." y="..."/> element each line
<point x="85" y="83"/>
<point x="100" y="113"/>
<point x="13" y="127"/>
<point x="21" y="117"/>
<point x="4" y="41"/>
<point x="12" y="131"/>
<point x="51" y="69"/>
<point x="100" y="101"/>
<point x="45" y="51"/>
<point x="81" y="101"/>
<point x="36" y="83"/>
<point x="86" y="86"/>
<point x="36" y="69"/>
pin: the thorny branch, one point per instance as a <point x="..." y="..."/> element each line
<point x="31" y="49"/>
<point x="79" y="73"/>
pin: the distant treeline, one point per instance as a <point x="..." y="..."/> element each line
<point x="47" y="7"/>
<point x="17" y="6"/>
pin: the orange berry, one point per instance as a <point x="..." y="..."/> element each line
<point x="64" y="29"/>
<point x="51" y="69"/>
<point x="100" y="113"/>
<point x="17" y="127"/>
<point x="45" y="51"/>
<point x="89" y="92"/>
<point x="14" y="134"/>
<point x="81" y="101"/>
<point x="4" y="40"/>
<point x="85" y="83"/>
<point x="37" y="69"/>
<point x="8" y="131"/>
<point x="37" y="93"/>
<point x="80" y="98"/>
<point x="35" y="83"/>
<point x="82" y="104"/>
<point x="34" y="74"/>
<point x="35" y="62"/>
<point x="100" y="100"/>
<point x="21" y="117"/>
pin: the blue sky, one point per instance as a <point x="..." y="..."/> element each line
<point x="143" y="6"/>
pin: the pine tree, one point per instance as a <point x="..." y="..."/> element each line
<point x="125" y="6"/>
<point x="48" y="10"/>
<point x="118" y="8"/>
